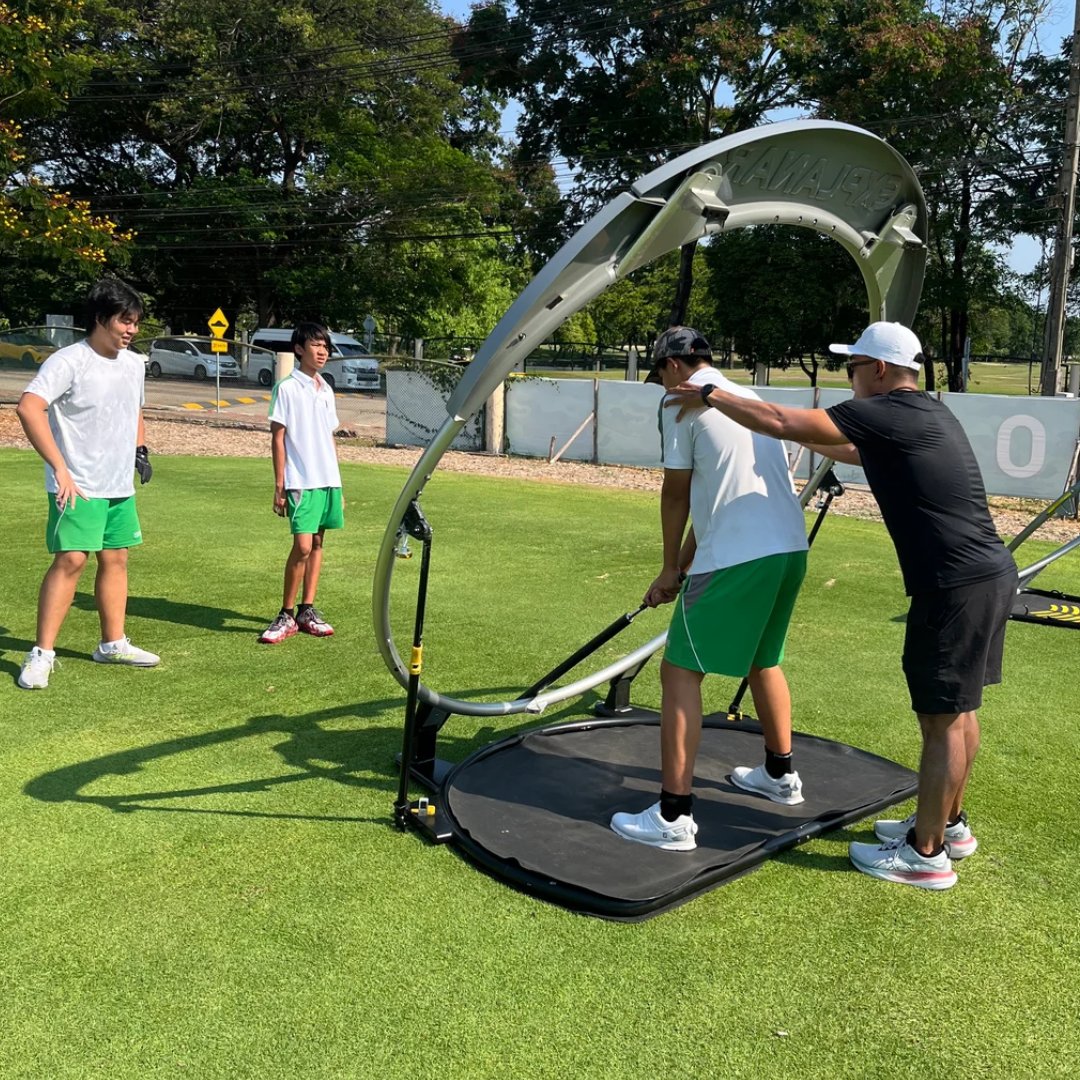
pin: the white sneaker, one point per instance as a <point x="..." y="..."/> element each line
<point x="786" y="790"/>
<point x="959" y="841"/>
<point x="652" y="828"/>
<point x="123" y="652"/>
<point x="36" y="669"/>
<point x="896" y="860"/>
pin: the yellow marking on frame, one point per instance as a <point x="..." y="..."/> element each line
<point x="416" y="664"/>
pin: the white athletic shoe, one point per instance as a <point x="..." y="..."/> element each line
<point x="896" y="860"/>
<point x="652" y="828"/>
<point x="959" y="841"/>
<point x="36" y="669"/>
<point x="786" y="790"/>
<point x="123" y="652"/>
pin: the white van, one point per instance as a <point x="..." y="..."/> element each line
<point x="350" y="367"/>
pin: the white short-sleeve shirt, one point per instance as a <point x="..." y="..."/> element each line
<point x="742" y="500"/>
<point x="94" y="406"/>
<point x="305" y="408"/>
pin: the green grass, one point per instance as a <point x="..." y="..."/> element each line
<point x="985" y="378"/>
<point x="200" y="877"/>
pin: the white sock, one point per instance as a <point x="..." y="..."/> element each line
<point x="49" y="654"/>
<point x="112" y="646"/>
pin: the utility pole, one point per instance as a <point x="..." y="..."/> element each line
<point x="1066" y="198"/>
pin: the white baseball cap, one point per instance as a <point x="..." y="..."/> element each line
<point x="892" y="342"/>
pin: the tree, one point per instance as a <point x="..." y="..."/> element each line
<point x="796" y="293"/>
<point x="952" y="91"/>
<point x="264" y="158"/>
<point x="49" y="239"/>
<point x="615" y="89"/>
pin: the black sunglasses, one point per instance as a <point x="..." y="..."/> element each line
<point x="850" y="368"/>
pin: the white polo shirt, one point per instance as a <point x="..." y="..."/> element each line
<point x="94" y="406"/>
<point x="742" y="500"/>
<point x="305" y="408"/>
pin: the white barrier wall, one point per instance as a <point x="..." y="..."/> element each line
<point x="538" y="410"/>
<point x="1024" y="446"/>
<point x="629" y="418"/>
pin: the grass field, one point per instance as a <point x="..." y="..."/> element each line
<point x="985" y="378"/>
<point x="200" y="877"/>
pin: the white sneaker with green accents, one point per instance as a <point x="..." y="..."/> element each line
<point x="123" y="652"/>
<point x="36" y="669"/>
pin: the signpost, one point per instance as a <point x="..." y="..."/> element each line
<point x="218" y="325"/>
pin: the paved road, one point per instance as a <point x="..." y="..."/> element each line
<point x="364" y="412"/>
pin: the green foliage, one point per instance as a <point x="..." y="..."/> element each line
<point x="796" y="291"/>
<point x="46" y="235"/>
<point x="270" y="162"/>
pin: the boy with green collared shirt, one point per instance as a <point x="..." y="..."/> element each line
<point x="82" y="413"/>
<point x="307" y="480"/>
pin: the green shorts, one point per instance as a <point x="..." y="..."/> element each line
<point x="730" y="620"/>
<point x="314" y="509"/>
<point x="92" y="525"/>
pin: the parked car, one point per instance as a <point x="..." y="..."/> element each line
<point x="191" y="357"/>
<point x="350" y="367"/>
<point x="25" y="347"/>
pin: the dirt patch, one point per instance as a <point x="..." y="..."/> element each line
<point x="212" y="438"/>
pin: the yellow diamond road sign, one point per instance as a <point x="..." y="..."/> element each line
<point x="218" y="324"/>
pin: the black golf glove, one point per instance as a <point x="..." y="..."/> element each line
<point x="142" y="464"/>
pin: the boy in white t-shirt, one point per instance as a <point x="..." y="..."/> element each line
<point x="82" y="413"/>
<point x="734" y="578"/>
<point x="307" y="481"/>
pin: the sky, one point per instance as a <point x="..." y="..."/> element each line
<point x="1025" y="251"/>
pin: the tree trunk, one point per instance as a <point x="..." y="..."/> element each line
<point x="683" y="285"/>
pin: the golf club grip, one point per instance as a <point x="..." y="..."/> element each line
<point x="572" y="661"/>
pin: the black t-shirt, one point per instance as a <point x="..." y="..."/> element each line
<point x="923" y="473"/>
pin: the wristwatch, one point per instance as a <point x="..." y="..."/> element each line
<point x="706" y="390"/>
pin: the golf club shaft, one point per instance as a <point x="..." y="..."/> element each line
<point x="572" y="661"/>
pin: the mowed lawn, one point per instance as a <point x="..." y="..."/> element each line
<point x="201" y="878"/>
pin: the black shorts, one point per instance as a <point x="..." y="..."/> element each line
<point x="954" y="642"/>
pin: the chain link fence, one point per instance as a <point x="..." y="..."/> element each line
<point x="416" y="396"/>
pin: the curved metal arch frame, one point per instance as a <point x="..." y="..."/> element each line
<point x="835" y="179"/>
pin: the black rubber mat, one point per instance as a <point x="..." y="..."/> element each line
<point x="535" y="810"/>
<point x="1047" y="607"/>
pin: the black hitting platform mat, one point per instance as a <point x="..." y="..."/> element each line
<point x="1047" y="607"/>
<point x="534" y="810"/>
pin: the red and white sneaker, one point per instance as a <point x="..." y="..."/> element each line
<point x="959" y="840"/>
<point x="896" y="860"/>
<point x="311" y="622"/>
<point x="284" y="626"/>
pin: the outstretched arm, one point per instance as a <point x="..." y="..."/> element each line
<point x="779" y="421"/>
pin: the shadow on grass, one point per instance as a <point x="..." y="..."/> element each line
<point x="24" y="645"/>
<point x="175" y="611"/>
<point x="825" y="861"/>
<point x="314" y="752"/>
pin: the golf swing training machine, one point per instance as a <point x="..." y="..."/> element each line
<point x="1046" y="606"/>
<point x="533" y="808"/>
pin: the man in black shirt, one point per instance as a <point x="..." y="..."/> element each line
<point x="959" y="575"/>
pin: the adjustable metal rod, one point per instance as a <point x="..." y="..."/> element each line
<point x="417" y="527"/>
<point x="572" y="661"/>
<point x="1039" y="518"/>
